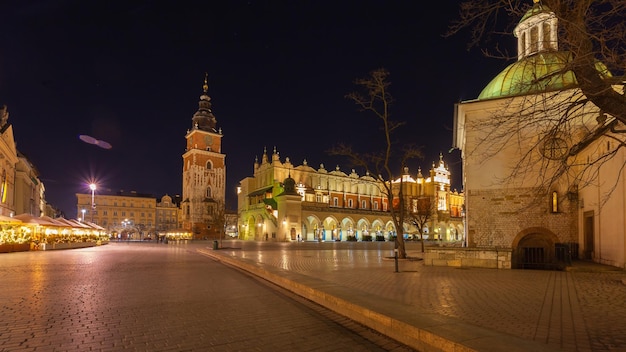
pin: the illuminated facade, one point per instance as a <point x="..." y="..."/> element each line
<point x="21" y="190"/>
<point x="29" y="191"/>
<point x="131" y="216"/>
<point x="507" y="212"/>
<point x="445" y="206"/>
<point x="204" y="174"/>
<point x="168" y="217"/>
<point x="283" y="202"/>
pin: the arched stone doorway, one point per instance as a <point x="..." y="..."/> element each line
<point x="534" y="248"/>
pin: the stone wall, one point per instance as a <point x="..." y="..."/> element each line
<point x="495" y="258"/>
<point x="496" y="217"/>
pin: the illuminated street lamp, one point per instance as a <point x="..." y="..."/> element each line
<point x="92" y="187"/>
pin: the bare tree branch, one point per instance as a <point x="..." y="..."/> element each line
<point x="376" y="99"/>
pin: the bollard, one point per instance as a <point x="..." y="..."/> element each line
<point x="395" y="256"/>
<point x="215" y="243"/>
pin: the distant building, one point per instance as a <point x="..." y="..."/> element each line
<point x="283" y="202"/>
<point x="445" y="206"/>
<point x="204" y="174"/>
<point x="130" y="215"/>
<point x="168" y="216"/>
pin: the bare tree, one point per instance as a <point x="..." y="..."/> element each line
<point x="419" y="212"/>
<point x="592" y="35"/>
<point x="382" y="163"/>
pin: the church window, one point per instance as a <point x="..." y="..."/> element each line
<point x="208" y="192"/>
<point x="547" y="43"/>
<point x="534" y="40"/>
<point x="554" y="148"/>
<point x="555" y="202"/>
<point x="209" y="165"/>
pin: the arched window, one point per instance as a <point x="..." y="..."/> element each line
<point x="534" y="40"/>
<point x="208" y="192"/>
<point x="209" y="165"/>
<point x="547" y="37"/>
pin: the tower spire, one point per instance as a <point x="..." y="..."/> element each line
<point x="203" y="118"/>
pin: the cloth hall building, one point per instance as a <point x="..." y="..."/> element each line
<point x="283" y="202"/>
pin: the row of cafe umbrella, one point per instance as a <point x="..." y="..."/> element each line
<point x="42" y="232"/>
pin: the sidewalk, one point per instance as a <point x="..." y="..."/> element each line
<point x="446" y="309"/>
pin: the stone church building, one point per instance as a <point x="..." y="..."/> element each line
<point x="523" y="209"/>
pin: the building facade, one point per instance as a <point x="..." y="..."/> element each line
<point x="513" y="145"/>
<point x="168" y="217"/>
<point x="125" y="215"/>
<point x="29" y="191"/>
<point x="21" y="190"/>
<point x="283" y="202"/>
<point x="204" y="174"/>
<point x="434" y="203"/>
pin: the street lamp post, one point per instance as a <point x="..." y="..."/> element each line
<point x="83" y="211"/>
<point x="92" y="186"/>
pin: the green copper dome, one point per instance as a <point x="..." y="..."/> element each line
<point x="538" y="73"/>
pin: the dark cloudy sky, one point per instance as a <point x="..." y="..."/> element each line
<point x="131" y="72"/>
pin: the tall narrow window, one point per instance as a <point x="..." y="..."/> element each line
<point x="555" y="202"/>
<point x="534" y="40"/>
<point x="547" y="42"/>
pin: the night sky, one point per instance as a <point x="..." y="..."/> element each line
<point x="131" y="73"/>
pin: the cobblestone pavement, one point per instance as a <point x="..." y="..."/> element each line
<point x="159" y="297"/>
<point x="582" y="309"/>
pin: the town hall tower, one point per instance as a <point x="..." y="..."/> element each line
<point x="204" y="173"/>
